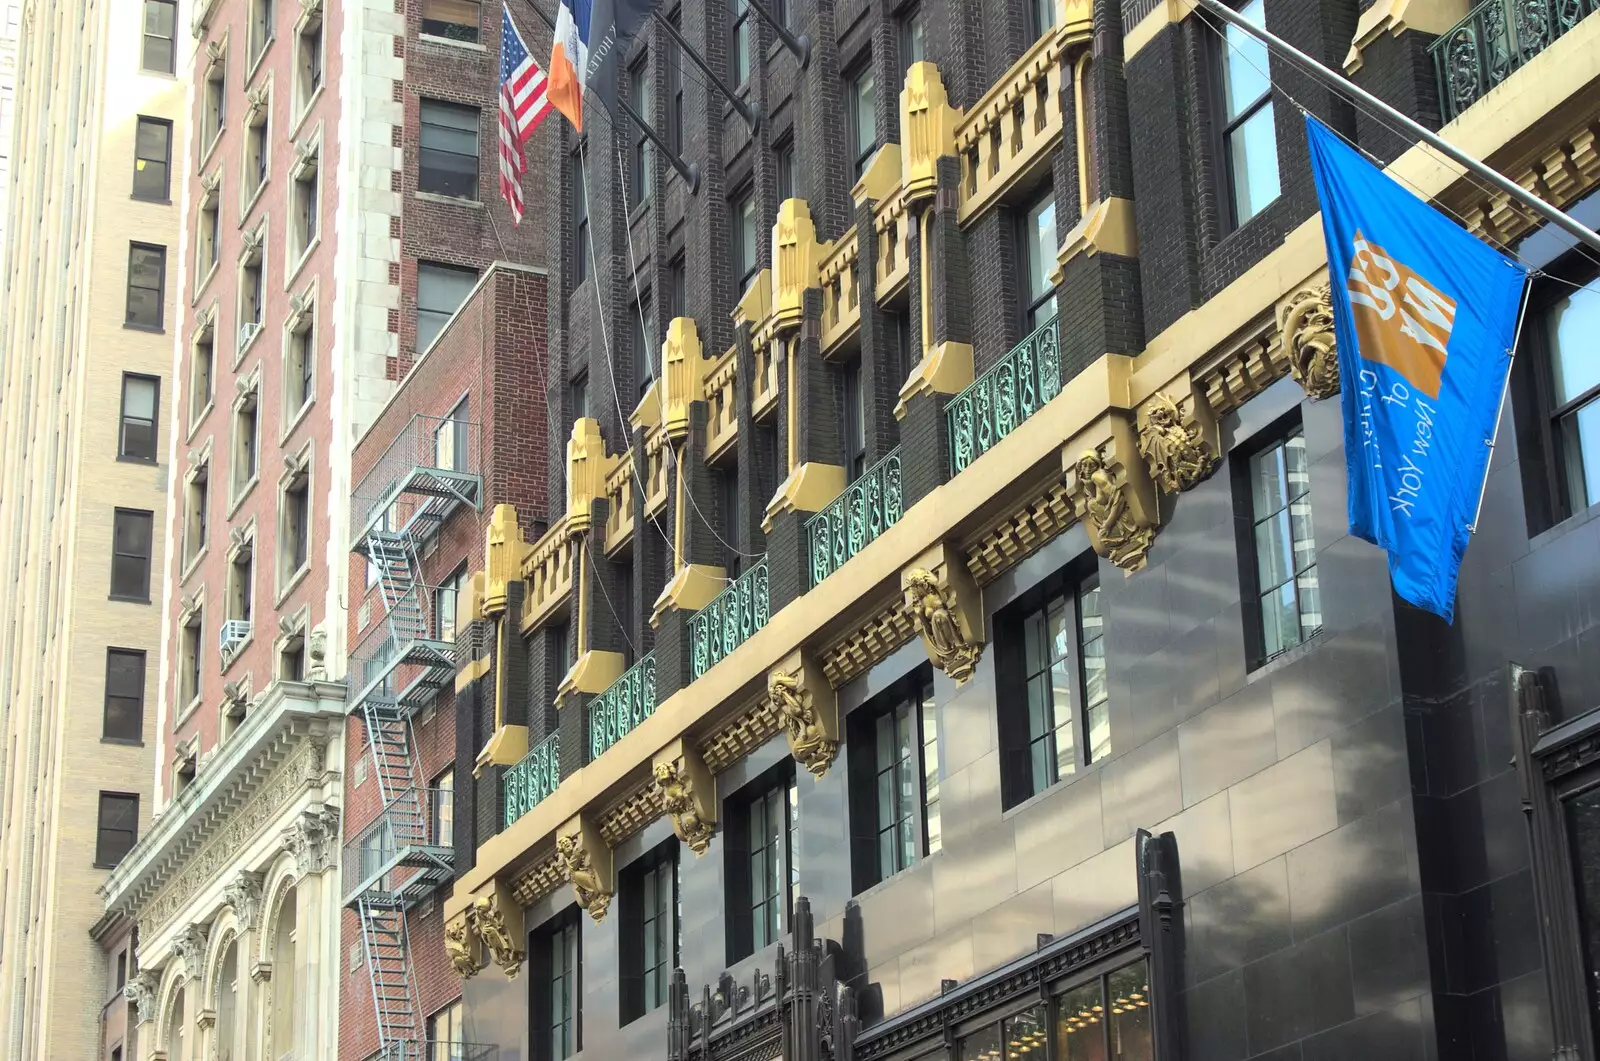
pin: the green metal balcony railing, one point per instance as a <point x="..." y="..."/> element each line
<point x="1495" y="40"/>
<point x="619" y="710"/>
<point x="730" y="620"/>
<point x="532" y="779"/>
<point x="867" y="507"/>
<point x="1015" y="388"/>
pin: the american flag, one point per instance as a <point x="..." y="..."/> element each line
<point x="523" y="105"/>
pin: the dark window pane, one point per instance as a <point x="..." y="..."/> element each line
<point x="448" y="149"/>
<point x="124" y="709"/>
<point x="130" y="563"/>
<point x="440" y="291"/>
<point x="118" y="828"/>
<point x="160" y="22"/>
<point x="138" y="436"/>
<point x="147" y="270"/>
<point x="1128" y="996"/>
<point x="152" y="155"/>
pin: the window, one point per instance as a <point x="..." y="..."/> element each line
<point x="118" y="828"/>
<point x="745" y="260"/>
<point x="639" y="86"/>
<point x="1568" y="378"/>
<point x="579" y="397"/>
<point x="141" y="397"/>
<point x="1108" y="1017"/>
<point x="853" y="421"/>
<point x="256" y="158"/>
<point x="160" y="28"/>
<point x="761" y="870"/>
<point x="130" y="554"/>
<point x="147" y="285"/>
<point x="246" y="439"/>
<point x="786" y="172"/>
<point x="1283" y="547"/>
<point x="914" y="37"/>
<point x="190" y="634"/>
<point x="122" y="969"/>
<point x="252" y="292"/>
<point x="1249" y="142"/>
<point x="208" y="238"/>
<point x="214" y="107"/>
<point x="195" y="498"/>
<point x="308" y="59"/>
<point x="440" y="291"/>
<point x="908" y="351"/>
<point x="894" y="781"/>
<point x="295" y="526"/>
<point x="124" y="709"/>
<point x="447" y="153"/>
<point x="201" y="363"/>
<point x="456" y="20"/>
<point x="641" y="330"/>
<point x="445" y="599"/>
<point x="152" y="159"/>
<point x="649" y="906"/>
<point x="740" y="55"/>
<point x="1041" y="17"/>
<point x="447" y="1028"/>
<point x="1089" y="157"/>
<point x="450" y="440"/>
<point x="1037" y="246"/>
<point x="262" y="14"/>
<point x="861" y="94"/>
<point x="305" y="224"/>
<point x="442" y="826"/>
<point x="302" y="362"/>
<point x="580" y="223"/>
<point x="241" y="585"/>
<point x="727" y="484"/>
<point x="292" y="660"/>
<point x="1054" y="712"/>
<point x="674" y="74"/>
<point x="554" y="957"/>
<point x="676" y="290"/>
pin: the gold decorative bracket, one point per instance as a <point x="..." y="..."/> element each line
<point x="946" y="609"/>
<point x="1111" y="491"/>
<point x="586" y="861"/>
<point x="693" y="587"/>
<point x="688" y="793"/>
<point x="587" y="468"/>
<point x="462" y="945"/>
<point x="807" y="708"/>
<point x="507" y="746"/>
<point x="683" y="377"/>
<point x="947" y="370"/>
<point x="592" y="673"/>
<point x="1306" y="323"/>
<point x="504" y="548"/>
<point x="496" y="918"/>
<point x="1178" y="439"/>
<point x="809" y="488"/>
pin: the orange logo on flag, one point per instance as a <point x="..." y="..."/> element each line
<point x="1401" y="320"/>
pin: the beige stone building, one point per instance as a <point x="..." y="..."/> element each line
<point x="85" y="330"/>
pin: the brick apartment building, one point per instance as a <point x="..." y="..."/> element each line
<point x="424" y="473"/>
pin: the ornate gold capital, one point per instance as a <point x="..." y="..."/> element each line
<point x="587" y="861"/>
<point x="587" y="468"/>
<point x="1111" y="492"/>
<point x="1306" y="321"/>
<point x="503" y="550"/>
<point x="808" y="710"/>
<point x="928" y="124"/>
<point x="946" y="609"/>
<point x="1180" y="451"/>
<point x="796" y="256"/>
<point x="688" y="793"/>
<point x="683" y="374"/>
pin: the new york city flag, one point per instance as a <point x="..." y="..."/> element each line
<point x="1425" y="315"/>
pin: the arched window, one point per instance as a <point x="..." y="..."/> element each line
<point x="175" y="1027"/>
<point x="227" y="1005"/>
<point x="285" y="1004"/>
<point x="1087" y="99"/>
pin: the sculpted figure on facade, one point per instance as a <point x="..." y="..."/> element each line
<point x="933" y="615"/>
<point x="1177" y="454"/>
<point x="317" y="655"/>
<point x="460" y="945"/>
<point x="140" y="991"/>
<point x="490" y="922"/>
<point x="809" y="744"/>
<point x="313" y="840"/>
<point x="1123" y="540"/>
<point x="190" y="946"/>
<point x="677" y="799"/>
<point x="243" y="893"/>
<point x="1308" y="337"/>
<point x="586" y="883"/>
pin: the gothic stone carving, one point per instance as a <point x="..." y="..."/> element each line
<point x="804" y="701"/>
<point x="1308" y="337"/>
<point x="688" y="794"/>
<point x="1111" y="492"/>
<point x="944" y="605"/>
<point x="1178" y="453"/>
<point x="243" y="893"/>
<point x="317" y="655"/>
<point x="587" y="860"/>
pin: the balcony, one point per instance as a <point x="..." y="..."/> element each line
<point x="730" y="620"/>
<point x="429" y="470"/>
<point x="400" y="658"/>
<point x="619" y="710"/>
<point x="1494" y="41"/>
<point x="404" y="853"/>
<point x="532" y="779"/>
<point x="1012" y="390"/>
<point x="867" y="507"/>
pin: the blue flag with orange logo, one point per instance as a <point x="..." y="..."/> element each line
<point x="1426" y="317"/>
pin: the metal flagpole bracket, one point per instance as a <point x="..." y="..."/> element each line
<point x="799" y="47"/>
<point x="749" y="112"/>
<point x="689" y="171"/>
<point x="1345" y="86"/>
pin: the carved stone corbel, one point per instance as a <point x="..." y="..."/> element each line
<point x="587" y="862"/>
<point x="688" y="793"/>
<point x="1111" y="491"/>
<point x="462" y="945"/>
<point x="946" y="608"/>
<point x="190" y="946"/>
<point x="808" y="710"/>
<point x="1178" y="439"/>
<point x="140" y="991"/>
<point x="496" y="919"/>
<point x="1306" y="322"/>
<point x="243" y="893"/>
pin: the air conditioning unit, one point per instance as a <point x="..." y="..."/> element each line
<point x="247" y="331"/>
<point x="235" y="632"/>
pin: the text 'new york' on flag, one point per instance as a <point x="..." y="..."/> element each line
<point x="1425" y="315"/>
<point x="523" y="105"/>
<point x="590" y="37"/>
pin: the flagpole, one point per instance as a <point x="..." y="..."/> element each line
<point x="1505" y="391"/>
<point x="799" y="47"/>
<point x="1342" y="84"/>
<point x="750" y="114"/>
<point x="689" y="171"/>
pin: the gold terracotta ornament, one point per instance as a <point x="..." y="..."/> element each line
<point x="1103" y="505"/>
<point x="810" y="741"/>
<point x="683" y="782"/>
<point x="489" y="918"/>
<point x="1178" y="454"/>
<point x="461" y="944"/>
<point x="1308" y="338"/>
<point x="948" y="624"/>
<point x="591" y="881"/>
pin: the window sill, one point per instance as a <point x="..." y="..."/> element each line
<point x="242" y="352"/>
<point x="1288" y="656"/>
<point x="105" y="865"/>
<point x="1254" y="219"/>
<point x="293" y="584"/>
<point x="1565" y="525"/>
<point x="194" y="562"/>
<point x="640" y="209"/>
<point x="152" y="201"/>
<point x="203" y="282"/>
<point x="299" y="418"/>
<point x="153" y="329"/>
<point x="305" y="110"/>
<point x="187" y="713"/>
<point x="126" y="742"/>
<point x="149" y="462"/>
<point x="255" y="62"/>
<point x="447" y="200"/>
<point x="210" y="149"/>
<point x="448" y="42"/>
<point x="255" y="197"/>
<point x="194" y="424"/>
<point x="300" y="263"/>
<point x="244" y="491"/>
<point x="126" y="599"/>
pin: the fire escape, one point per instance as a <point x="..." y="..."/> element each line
<point x="399" y="664"/>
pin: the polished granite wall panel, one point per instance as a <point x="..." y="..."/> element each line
<point x="496" y="1012"/>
